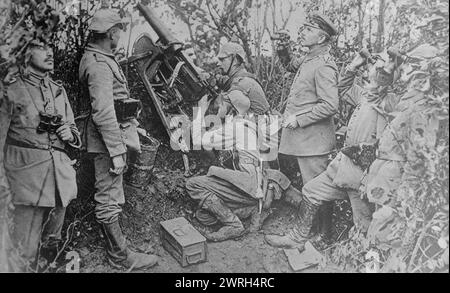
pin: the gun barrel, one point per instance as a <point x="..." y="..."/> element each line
<point x="162" y="31"/>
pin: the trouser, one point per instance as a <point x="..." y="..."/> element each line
<point x="109" y="195"/>
<point x="321" y="190"/>
<point x="201" y="187"/>
<point x="33" y="226"/>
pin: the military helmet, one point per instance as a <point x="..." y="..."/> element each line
<point x="104" y="19"/>
<point x="231" y="48"/>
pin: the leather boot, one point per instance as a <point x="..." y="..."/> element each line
<point x="119" y="255"/>
<point x="257" y="220"/>
<point x="301" y="233"/>
<point x="205" y="218"/>
<point x="293" y="196"/>
<point x="232" y="226"/>
<point x="325" y="226"/>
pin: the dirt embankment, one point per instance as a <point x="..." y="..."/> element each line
<point x="163" y="199"/>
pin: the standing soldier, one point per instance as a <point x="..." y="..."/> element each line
<point x="41" y="130"/>
<point x="342" y="178"/>
<point x="309" y="133"/>
<point x="108" y="131"/>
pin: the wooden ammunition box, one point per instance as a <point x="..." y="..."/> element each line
<point x="183" y="242"/>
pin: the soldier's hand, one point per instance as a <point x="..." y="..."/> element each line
<point x="118" y="165"/>
<point x="65" y="133"/>
<point x="357" y="62"/>
<point x="290" y="122"/>
<point x="282" y="39"/>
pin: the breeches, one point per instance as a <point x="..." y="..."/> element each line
<point x="36" y="225"/>
<point x="321" y="189"/>
<point x="109" y="195"/>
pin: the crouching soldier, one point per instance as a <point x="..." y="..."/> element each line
<point x="109" y="130"/>
<point x="342" y="178"/>
<point x="227" y="195"/>
<point x="41" y="131"/>
<point x="411" y="126"/>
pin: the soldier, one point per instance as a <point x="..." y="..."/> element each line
<point x="342" y="178"/>
<point x="232" y="63"/>
<point x="309" y="133"/>
<point x="41" y="131"/>
<point x="226" y="195"/>
<point x="108" y="132"/>
<point x="395" y="149"/>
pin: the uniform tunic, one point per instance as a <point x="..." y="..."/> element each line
<point x="313" y="93"/>
<point x="104" y="136"/>
<point x="342" y="177"/>
<point x="247" y="84"/>
<point x="237" y="188"/>
<point x="37" y="168"/>
<point x="103" y="82"/>
<point x="411" y="126"/>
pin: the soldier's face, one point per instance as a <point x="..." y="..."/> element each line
<point x="42" y="58"/>
<point x="225" y="63"/>
<point x="115" y="34"/>
<point x="310" y="36"/>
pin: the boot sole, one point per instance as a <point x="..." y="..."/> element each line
<point x="121" y="267"/>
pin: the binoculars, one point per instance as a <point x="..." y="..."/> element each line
<point x="368" y="56"/>
<point x="49" y="122"/>
<point x="280" y="36"/>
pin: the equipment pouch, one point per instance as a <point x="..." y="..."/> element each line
<point x="127" y="109"/>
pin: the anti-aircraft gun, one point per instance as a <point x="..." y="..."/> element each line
<point x="173" y="84"/>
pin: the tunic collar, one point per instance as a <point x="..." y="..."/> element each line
<point x="97" y="49"/>
<point x="37" y="80"/>
<point x="317" y="51"/>
<point x="236" y="70"/>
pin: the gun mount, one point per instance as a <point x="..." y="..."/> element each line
<point x="173" y="84"/>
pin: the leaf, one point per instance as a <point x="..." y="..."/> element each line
<point x="436" y="228"/>
<point x="442" y="243"/>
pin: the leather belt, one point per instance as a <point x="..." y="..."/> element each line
<point x="250" y="161"/>
<point x="22" y="144"/>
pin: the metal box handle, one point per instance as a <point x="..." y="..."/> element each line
<point x="188" y="257"/>
<point x="179" y="232"/>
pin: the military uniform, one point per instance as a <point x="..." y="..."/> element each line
<point x="387" y="172"/>
<point x="108" y="132"/>
<point x="103" y="136"/>
<point x="39" y="171"/>
<point x="314" y="99"/>
<point x="246" y="83"/>
<point x="343" y="177"/>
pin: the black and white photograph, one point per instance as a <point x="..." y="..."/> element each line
<point x="221" y="137"/>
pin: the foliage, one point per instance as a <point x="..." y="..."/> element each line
<point x="418" y="220"/>
<point x="422" y="217"/>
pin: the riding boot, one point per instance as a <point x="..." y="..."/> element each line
<point x="232" y="226"/>
<point x="301" y="232"/>
<point x="119" y="255"/>
<point x="325" y="227"/>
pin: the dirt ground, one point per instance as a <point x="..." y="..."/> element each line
<point x="163" y="199"/>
